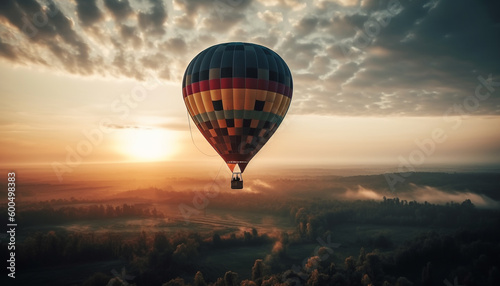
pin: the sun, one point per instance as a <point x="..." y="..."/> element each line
<point x="148" y="144"/>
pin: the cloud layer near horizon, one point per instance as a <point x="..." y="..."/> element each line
<point x="348" y="57"/>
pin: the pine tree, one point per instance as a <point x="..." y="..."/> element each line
<point x="231" y="278"/>
<point x="199" y="280"/>
<point x="257" y="269"/>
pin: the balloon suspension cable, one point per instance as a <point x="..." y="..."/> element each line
<point x="212" y="185"/>
<point x="192" y="139"/>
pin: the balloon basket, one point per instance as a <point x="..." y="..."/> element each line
<point x="236" y="181"/>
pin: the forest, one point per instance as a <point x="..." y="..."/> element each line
<point x="455" y="243"/>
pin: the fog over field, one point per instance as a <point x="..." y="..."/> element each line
<point x="331" y="226"/>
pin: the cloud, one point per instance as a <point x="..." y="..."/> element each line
<point x="362" y="193"/>
<point x="270" y="17"/>
<point x="171" y="124"/>
<point x="306" y="25"/>
<point x="437" y="196"/>
<point x="424" y="194"/>
<point x="120" y="9"/>
<point x="7" y="51"/>
<point x="95" y="44"/>
<point x="190" y="7"/>
<point x="88" y="12"/>
<point x="221" y="22"/>
<point x="422" y="62"/>
<point x="349" y="2"/>
<point x="298" y="54"/>
<point x="119" y="126"/>
<point x="211" y="16"/>
<point x="130" y="34"/>
<point x="153" y="21"/>
<point x="261" y="184"/>
<point x="154" y="61"/>
<point x="48" y="30"/>
<point x="184" y="22"/>
<point x="354" y="58"/>
<point x="284" y="4"/>
<point x="176" y="45"/>
<point x="342" y="26"/>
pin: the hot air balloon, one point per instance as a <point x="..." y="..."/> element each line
<point x="237" y="95"/>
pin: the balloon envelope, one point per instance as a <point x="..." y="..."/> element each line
<point x="237" y="94"/>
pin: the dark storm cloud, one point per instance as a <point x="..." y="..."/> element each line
<point x="442" y="46"/>
<point x="88" y="12"/>
<point x="459" y="32"/>
<point x="426" y="60"/>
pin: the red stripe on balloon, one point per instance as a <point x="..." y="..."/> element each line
<point x="196" y="87"/>
<point x="250" y="83"/>
<point x="281" y="88"/>
<point x="238" y="82"/>
<point x="204" y="85"/>
<point x="226" y="82"/>
<point x="214" y="83"/>
<point x="273" y="86"/>
<point x="263" y="84"/>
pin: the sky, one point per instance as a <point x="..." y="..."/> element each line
<point x="408" y="83"/>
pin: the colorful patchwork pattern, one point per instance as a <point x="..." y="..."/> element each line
<point x="237" y="95"/>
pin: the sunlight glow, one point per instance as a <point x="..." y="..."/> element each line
<point x="148" y="145"/>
